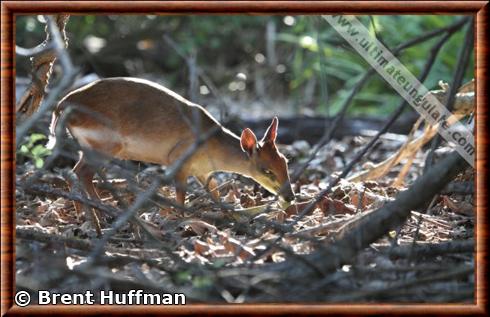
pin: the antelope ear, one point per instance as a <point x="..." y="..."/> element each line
<point x="248" y="141"/>
<point x="271" y="133"/>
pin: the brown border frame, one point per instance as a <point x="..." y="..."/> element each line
<point x="10" y="8"/>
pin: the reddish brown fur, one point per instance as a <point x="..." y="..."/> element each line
<point x="134" y="119"/>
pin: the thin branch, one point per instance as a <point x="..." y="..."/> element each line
<point x="462" y="65"/>
<point x="372" y="226"/>
<point x="47" y="49"/>
<point x="42" y="58"/>
<point x="65" y="82"/>
<point x="326" y="138"/>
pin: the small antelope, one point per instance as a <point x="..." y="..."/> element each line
<point x="135" y="119"/>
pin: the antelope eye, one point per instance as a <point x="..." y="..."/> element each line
<point x="266" y="171"/>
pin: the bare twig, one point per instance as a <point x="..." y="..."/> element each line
<point x="42" y="58"/>
<point x="327" y="137"/>
<point x="363" y="80"/>
<point x="403" y="104"/>
<point x="462" y="64"/>
<point x="375" y="224"/>
<point x="68" y="76"/>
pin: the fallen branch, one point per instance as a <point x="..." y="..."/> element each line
<point x="430" y="249"/>
<point x="457" y="272"/>
<point x="36" y="235"/>
<point x="113" y="257"/>
<point x="368" y="228"/>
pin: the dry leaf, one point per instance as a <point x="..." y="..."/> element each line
<point x="246" y="201"/>
<point x="201" y="247"/>
<point x="334" y="206"/>
<point x="199" y="227"/>
<point x="234" y="246"/>
<point x="462" y="207"/>
<point x="230" y="198"/>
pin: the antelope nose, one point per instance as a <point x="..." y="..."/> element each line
<point x="287" y="194"/>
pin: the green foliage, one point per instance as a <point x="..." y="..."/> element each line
<point x="202" y="282"/>
<point x="184" y="277"/>
<point x="34" y="151"/>
<point x="343" y="67"/>
<point x="310" y="51"/>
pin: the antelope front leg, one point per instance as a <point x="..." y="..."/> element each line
<point x="180" y="188"/>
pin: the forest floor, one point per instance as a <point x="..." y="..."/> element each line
<point x="430" y="258"/>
